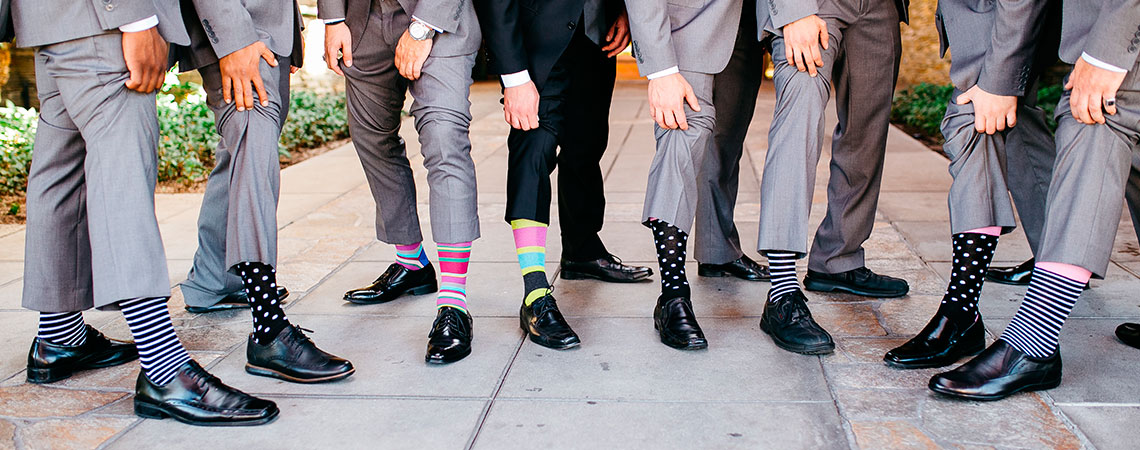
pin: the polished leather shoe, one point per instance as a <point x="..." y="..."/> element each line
<point x="292" y="356"/>
<point x="999" y="372"/>
<point x="609" y="269"/>
<point x="48" y="362"/>
<point x="743" y="268"/>
<point x="235" y="300"/>
<point x="1018" y="275"/>
<point x="450" y="337"/>
<point x="940" y="344"/>
<point x="197" y="398"/>
<point x="677" y="324"/>
<point x="394" y="282"/>
<point x="788" y="320"/>
<point x="861" y="281"/>
<point x="544" y="324"/>
<point x="1129" y="334"/>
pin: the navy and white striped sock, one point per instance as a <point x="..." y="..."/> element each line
<point x="782" y="266"/>
<point x="1036" y="329"/>
<point x="63" y="328"/>
<point x="160" y="351"/>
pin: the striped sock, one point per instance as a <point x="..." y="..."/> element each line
<point x="453" y="262"/>
<point x="160" y="351"/>
<point x="66" y="329"/>
<point x="1036" y="329"/>
<point x="412" y="256"/>
<point x="782" y="266"/>
<point x="530" y="243"/>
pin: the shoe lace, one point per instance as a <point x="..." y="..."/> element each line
<point x="546" y="304"/>
<point x="798" y="310"/>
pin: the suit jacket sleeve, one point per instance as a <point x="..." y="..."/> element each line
<point x="784" y="12"/>
<point x="331" y="9"/>
<point x="501" y="32"/>
<point x="1115" y="37"/>
<point x="1009" y="59"/>
<point x="228" y="25"/>
<point x="124" y="12"/>
<point x="652" y="35"/>
<point x="443" y="14"/>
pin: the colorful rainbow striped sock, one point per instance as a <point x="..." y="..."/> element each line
<point x="530" y="243"/>
<point x="412" y="256"/>
<point x="453" y="262"/>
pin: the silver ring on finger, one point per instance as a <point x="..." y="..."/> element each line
<point x="1111" y="101"/>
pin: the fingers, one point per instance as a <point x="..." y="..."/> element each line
<point x="293" y="70"/>
<point x="135" y="82"/>
<point x="227" y="85"/>
<point x="964" y="98"/>
<point x="417" y="67"/>
<point x="816" y="55"/>
<point x="691" y="98"/>
<point x="823" y="35"/>
<point x="1080" y="107"/>
<point x="788" y="55"/>
<point x="979" y="123"/>
<point x="991" y="125"/>
<point x="1096" y="109"/>
<point x="799" y="60"/>
<point x="682" y="121"/>
<point x="670" y="119"/>
<point x="268" y="56"/>
<point x="811" y="65"/>
<point x="1109" y="107"/>
<point x="261" y="94"/>
<point x="659" y="117"/>
<point x="1011" y="118"/>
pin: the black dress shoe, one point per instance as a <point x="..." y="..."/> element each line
<point x="744" y="268"/>
<point x="1129" y="334"/>
<point x="197" y="398"/>
<point x="394" y="282"/>
<point x="677" y="324"/>
<point x="235" y="300"/>
<point x="1018" y="275"/>
<point x="292" y="356"/>
<point x="48" y="362"/>
<point x="543" y="322"/>
<point x="788" y="320"/>
<point x="450" y="337"/>
<point x="861" y="281"/>
<point x="999" y="372"/>
<point x="609" y="269"/>
<point x="940" y="344"/>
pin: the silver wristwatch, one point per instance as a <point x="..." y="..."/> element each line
<point x="419" y="31"/>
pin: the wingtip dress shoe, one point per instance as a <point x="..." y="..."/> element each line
<point x="196" y="397"/>
<point x="393" y="283"/>
<point x="788" y="321"/>
<point x="235" y="300"/>
<point x="1129" y="334"/>
<point x="861" y="281"/>
<point x="450" y="337"/>
<point x="1018" y="275"/>
<point x="48" y="362"/>
<point x="544" y="325"/>
<point x="293" y="357"/>
<point x="941" y="343"/>
<point x="743" y="268"/>
<point x="999" y="372"/>
<point x="677" y="324"/>
<point x="609" y="269"/>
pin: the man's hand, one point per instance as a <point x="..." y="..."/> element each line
<point x="667" y="96"/>
<point x="1091" y="86"/>
<point x="411" y="54"/>
<point x="992" y="113"/>
<point x="520" y="106"/>
<point x="338" y="44"/>
<point x="146" y="55"/>
<point x="241" y="69"/>
<point x="802" y="39"/>
<point x="618" y="37"/>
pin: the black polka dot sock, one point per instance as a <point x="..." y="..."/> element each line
<point x="261" y="284"/>
<point x="670" y="245"/>
<point x="972" y="255"/>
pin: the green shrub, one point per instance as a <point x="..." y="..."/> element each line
<point x="314" y="119"/>
<point x="922" y="106"/>
<point x="17" y="133"/>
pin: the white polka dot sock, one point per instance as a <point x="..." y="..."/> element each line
<point x="972" y="255"/>
<point x="260" y="282"/>
<point x="670" y="244"/>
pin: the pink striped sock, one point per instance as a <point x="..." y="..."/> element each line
<point x="453" y="262"/>
<point x="412" y="256"/>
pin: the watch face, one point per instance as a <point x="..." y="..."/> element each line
<point x="418" y="30"/>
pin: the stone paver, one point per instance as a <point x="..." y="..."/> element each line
<point x="622" y="388"/>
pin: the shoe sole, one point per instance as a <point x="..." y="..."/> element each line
<point x="989" y="398"/>
<point x="270" y="373"/>
<point x="723" y="274"/>
<point x="573" y="275"/>
<point x="678" y="345"/>
<point x="152" y="411"/>
<point x="901" y="366"/>
<point x="827" y="286"/>
<point x="42" y="375"/>
<point x="416" y="291"/>
<point x="440" y="361"/>
<point x="813" y="350"/>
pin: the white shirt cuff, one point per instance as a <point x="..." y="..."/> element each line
<point x="337" y="20"/>
<point x="1101" y="64"/>
<point x="666" y="72"/>
<point x="511" y="80"/>
<point x="437" y="29"/>
<point x="142" y="25"/>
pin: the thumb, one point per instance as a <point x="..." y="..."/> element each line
<point x="1069" y="83"/>
<point x="964" y="99"/>
<point x="691" y="99"/>
<point x="269" y="56"/>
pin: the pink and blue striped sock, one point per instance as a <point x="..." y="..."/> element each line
<point x="412" y="256"/>
<point x="453" y="262"/>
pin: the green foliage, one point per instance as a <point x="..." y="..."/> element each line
<point x="17" y="133"/>
<point x="314" y="119"/>
<point x="921" y="107"/>
<point x="1047" y="98"/>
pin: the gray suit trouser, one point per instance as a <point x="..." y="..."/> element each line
<point x="376" y="91"/>
<point x="1090" y="178"/>
<point x="672" y="192"/>
<point x="238" y="220"/>
<point x="92" y="234"/>
<point x="862" y="63"/>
